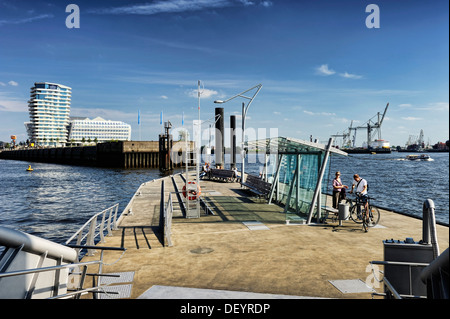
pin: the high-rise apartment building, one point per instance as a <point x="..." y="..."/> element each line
<point x="49" y="108"/>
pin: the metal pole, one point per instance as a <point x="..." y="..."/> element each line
<point x="233" y="140"/>
<point x="275" y="179"/>
<point x="319" y="182"/>
<point x="243" y="144"/>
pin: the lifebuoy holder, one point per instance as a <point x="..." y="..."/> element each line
<point x="193" y="191"/>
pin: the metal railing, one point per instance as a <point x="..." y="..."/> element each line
<point x="390" y="287"/>
<point x="77" y="274"/>
<point x="168" y="213"/>
<point x="96" y="226"/>
<point x="434" y="275"/>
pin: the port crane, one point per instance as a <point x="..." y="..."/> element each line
<point x="346" y="140"/>
<point x="373" y="125"/>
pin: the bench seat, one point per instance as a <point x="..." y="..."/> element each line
<point x="257" y="186"/>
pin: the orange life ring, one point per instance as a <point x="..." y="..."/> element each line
<point x="193" y="190"/>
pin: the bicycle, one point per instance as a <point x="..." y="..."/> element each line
<point x="357" y="212"/>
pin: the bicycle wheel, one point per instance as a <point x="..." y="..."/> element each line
<point x="356" y="213"/>
<point x="374" y="216"/>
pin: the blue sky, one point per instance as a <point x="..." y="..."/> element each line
<point x="320" y="66"/>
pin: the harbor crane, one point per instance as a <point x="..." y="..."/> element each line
<point x="371" y="125"/>
<point x="346" y="140"/>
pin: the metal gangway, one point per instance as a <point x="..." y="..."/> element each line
<point x="35" y="268"/>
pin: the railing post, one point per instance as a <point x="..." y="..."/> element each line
<point x="108" y="224"/>
<point x="91" y="235"/>
<point x="102" y="227"/>
<point x="115" y="218"/>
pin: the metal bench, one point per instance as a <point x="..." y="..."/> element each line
<point x="333" y="216"/>
<point x="257" y="186"/>
<point x="225" y="175"/>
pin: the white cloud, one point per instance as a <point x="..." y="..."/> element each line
<point x="12" y="104"/>
<point x="350" y="76"/>
<point x="164" y="97"/>
<point x="266" y="3"/>
<point x="438" y="106"/>
<point x="204" y="93"/>
<point x="319" y="113"/>
<point x="13" y="83"/>
<point x="411" y="118"/>
<point x="26" y="20"/>
<point x="324" y="70"/>
<point x="176" y="6"/>
<point x="108" y="114"/>
<point x="433" y="106"/>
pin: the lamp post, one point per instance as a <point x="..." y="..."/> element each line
<point x="244" y="114"/>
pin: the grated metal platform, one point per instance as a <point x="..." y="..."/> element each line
<point x="255" y="225"/>
<point x="114" y="285"/>
<point x="351" y="286"/>
<point x="116" y="292"/>
<point x="124" y="277"/>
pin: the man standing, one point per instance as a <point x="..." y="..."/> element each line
<point x="360" y="186"/>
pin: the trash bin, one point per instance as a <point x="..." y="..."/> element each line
<point x="344" y="211"/>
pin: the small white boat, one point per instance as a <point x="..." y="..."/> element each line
<point x="421" y="157"/>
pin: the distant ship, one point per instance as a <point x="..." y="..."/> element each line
<point x="377" y="147"/>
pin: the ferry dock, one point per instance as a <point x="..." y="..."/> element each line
<point x="244" y="248"/>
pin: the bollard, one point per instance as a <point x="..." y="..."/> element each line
<point x="343" y="213"/>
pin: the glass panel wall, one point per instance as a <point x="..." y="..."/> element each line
<point x="294" y="171"/>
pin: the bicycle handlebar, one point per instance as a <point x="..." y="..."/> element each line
<point x="358" y="194"/>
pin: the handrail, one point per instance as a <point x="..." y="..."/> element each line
<point x="168" y="213"/>
<point x="434" y="266"/>
<point x="388" y="285"/>
<point x="79" y="290"/>
<point x="91" y="230"/>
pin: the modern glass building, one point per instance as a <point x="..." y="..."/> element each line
<point x="297" y="170"/>
<point x="85" y="130"/>
<point x="49" y="108"/>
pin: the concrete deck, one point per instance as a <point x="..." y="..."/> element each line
<point x="223" y="254"/>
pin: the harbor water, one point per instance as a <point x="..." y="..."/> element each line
<point x="54" y="200"/>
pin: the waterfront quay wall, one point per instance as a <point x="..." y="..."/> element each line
<point x="121" y="154"/>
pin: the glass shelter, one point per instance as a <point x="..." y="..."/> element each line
<point x="298" y="171"/>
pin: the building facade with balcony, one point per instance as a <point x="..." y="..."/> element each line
<point x="49" y="108"/>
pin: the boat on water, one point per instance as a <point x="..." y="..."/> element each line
<point x="29" y="169"/>
<point x="421" y="157"/>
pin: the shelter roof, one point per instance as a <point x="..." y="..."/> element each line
<point x="285" y="145"/>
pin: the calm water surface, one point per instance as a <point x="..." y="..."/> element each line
<point x="54" y="200"/>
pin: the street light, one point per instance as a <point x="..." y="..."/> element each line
<point x="244" y="113"/>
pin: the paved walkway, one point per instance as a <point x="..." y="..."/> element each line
<point x="247" y="247"/>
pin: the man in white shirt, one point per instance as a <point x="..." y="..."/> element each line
<point x="361" y="188"/>
<point x="360" y="184"/>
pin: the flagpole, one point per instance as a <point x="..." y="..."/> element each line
<point x="139" y="123"/>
